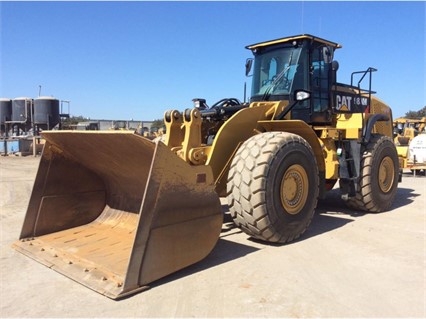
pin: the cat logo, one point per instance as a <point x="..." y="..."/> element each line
<point x="343" y="103"/>
<point x="352" y="103"/>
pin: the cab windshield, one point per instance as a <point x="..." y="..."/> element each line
<point x="274" y="73"/>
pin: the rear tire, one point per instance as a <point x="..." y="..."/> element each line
<point x="273" y="186"/>
<point x="379" y="172"/>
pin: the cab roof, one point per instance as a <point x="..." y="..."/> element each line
<point x="292" y="38"/>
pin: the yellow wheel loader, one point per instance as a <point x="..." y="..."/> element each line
<point x="405" y="130"/>
<point x="116" y="211"/>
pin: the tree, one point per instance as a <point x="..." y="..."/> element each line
<point x="416" y="114"/>
<point x="157" y="124"/>
<point x="72" y="120"/>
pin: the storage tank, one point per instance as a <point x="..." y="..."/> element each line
<point x="5" y="110"/>
<point x="46" y="111"/>
<point x="417" y="150"/>
<point x="22" y="109"/>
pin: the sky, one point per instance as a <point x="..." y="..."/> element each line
<point x="136" y="60"/>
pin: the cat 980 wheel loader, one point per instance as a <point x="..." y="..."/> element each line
<point x="116" y="211"/>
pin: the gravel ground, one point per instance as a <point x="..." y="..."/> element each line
<point x="348" y="264"/>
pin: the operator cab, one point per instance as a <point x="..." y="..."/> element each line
<point x="285" y="65"/>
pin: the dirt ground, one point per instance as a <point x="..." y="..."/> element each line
<point x="348" y="264"/>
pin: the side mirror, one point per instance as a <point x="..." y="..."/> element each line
<point x="334" y="67"/>
<point x="327" y="54"/>
<point x="249" y="63"/>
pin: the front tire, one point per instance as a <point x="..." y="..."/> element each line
<point x="273" y="186"/>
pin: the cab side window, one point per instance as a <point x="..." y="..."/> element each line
<point x="319" y="81"/>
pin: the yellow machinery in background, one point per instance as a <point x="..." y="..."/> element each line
<point x="405" y="129"/>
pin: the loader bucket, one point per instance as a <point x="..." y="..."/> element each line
<point x="115" y="211"/>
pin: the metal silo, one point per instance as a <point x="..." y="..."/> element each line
<point x="21" y="110"/>
<point x="46" y="112"/>
<point x="5" y="110"/>
<point x="5" y="113"/>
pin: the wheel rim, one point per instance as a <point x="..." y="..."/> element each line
<point x="386" y="174"/>
<point x="294" y="189"/>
